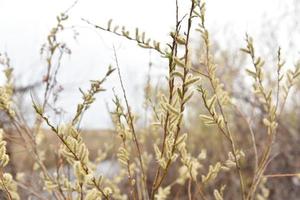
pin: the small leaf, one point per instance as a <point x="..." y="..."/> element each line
<point x="245" y="50"/>
<point x="251" y="73"/>
<point x="109" y="24"/>
<point x="191" y="81"/>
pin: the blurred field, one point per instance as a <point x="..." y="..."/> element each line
<point x="96" y="139"/>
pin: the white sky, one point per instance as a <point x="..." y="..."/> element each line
<point x="24" y="25"/>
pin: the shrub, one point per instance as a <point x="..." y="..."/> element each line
<point x="199" y="143"/>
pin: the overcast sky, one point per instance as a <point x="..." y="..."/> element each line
<point x="24" y="25"/>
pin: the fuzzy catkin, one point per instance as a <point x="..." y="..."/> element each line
<point x="8" y="184"/>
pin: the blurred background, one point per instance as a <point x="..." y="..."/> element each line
<point x="24" y="26"/>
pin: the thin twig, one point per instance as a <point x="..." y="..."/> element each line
<point x="130" y="119"/>
<point x="282" y="175"/>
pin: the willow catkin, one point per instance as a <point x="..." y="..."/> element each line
<point x="8" y="184"/>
